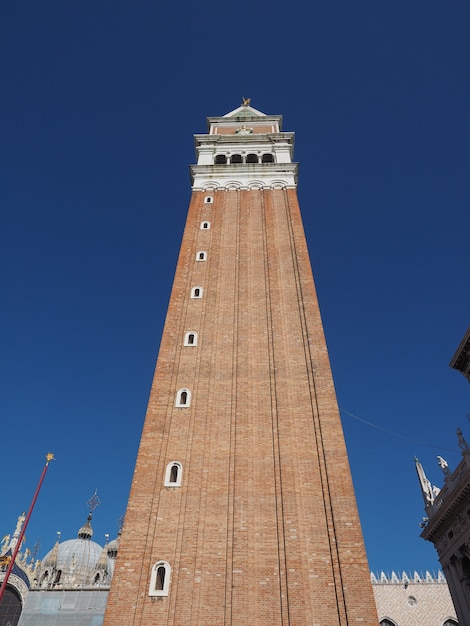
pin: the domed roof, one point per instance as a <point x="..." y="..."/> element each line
<point x="77" y="559"/>
<point x="73" y="563"/>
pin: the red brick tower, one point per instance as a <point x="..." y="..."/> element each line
<point x="242" y="510"/>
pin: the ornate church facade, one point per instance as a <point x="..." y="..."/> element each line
<point x="70" y="585"/>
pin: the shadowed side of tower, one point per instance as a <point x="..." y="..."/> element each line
<point x="242" y="509"/>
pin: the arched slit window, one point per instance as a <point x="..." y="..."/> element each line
<point x="58" y="574"/>
<point x="267" y="158"/>
<point x="173" y="474"/>
<point x="220" y="159"/>
<point x="196" y="292"/>
<point x="201" y="256"/>
<point x="236" y="158"/>
<point x="190" y="338"/>
<point x="183" y="398"/>
<point x="252" y="158"/>
<point x="205" y="225"/>
<point x="208" y="199"/>
<point x="160" y="579"/>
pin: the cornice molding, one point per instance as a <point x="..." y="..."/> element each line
<point x="244" y="175"/>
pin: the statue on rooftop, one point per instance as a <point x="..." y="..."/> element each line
<point x="462" y="443"/>
<point x="444" y="466"/>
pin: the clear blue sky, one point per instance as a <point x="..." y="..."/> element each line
<point x="99" y="104"/>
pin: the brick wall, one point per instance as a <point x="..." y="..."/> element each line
<point x="264" y="529"/>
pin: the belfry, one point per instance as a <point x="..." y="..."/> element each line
<point x="242" y="509"/>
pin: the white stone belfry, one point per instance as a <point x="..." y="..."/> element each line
<point x="244" y="149"/>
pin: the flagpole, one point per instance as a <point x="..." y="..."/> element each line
<point x="49" y="458"/>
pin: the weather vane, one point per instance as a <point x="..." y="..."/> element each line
<point x="37" y="546"/>
<point x="245" y="101"/>
<point x="93" y="502"/>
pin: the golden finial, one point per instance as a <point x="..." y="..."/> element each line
<point x="245" y="101"/>
<point x="49" y="457"/>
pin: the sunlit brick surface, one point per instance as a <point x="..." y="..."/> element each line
<point x="264" y="529"/>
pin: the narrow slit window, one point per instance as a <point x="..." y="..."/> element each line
<point x="205" y="225"/>
<point x="196" y="292"/>
<point x="201" y="256"/>
<point x="183" y="398"/>
<point x="208" y="200"/>
<point x="160" y="579"/>
<point x="190" y="338"/>
<point x="173" y="474"/>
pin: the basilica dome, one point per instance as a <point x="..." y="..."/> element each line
<point x="77" y="562"/>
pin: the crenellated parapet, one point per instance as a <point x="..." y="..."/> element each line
<point x="407" y="578"/>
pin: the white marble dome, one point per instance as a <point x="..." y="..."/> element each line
<point x="77" y="562"/>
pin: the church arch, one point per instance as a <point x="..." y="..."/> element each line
<point x="160" y="579"/>
<point x="267" y="158"/>
<point x="220" y="159"/>
<point x="252" y="158"/>
<point x="11" y="605"/>
<point x="183" y="398"/>
<point x="173" y="474"/>
<point x="236" y="158"/>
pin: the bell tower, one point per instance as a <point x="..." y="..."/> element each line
<point x="242" y="509"/>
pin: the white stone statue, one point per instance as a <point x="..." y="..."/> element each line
<point x="444" y="466"/>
